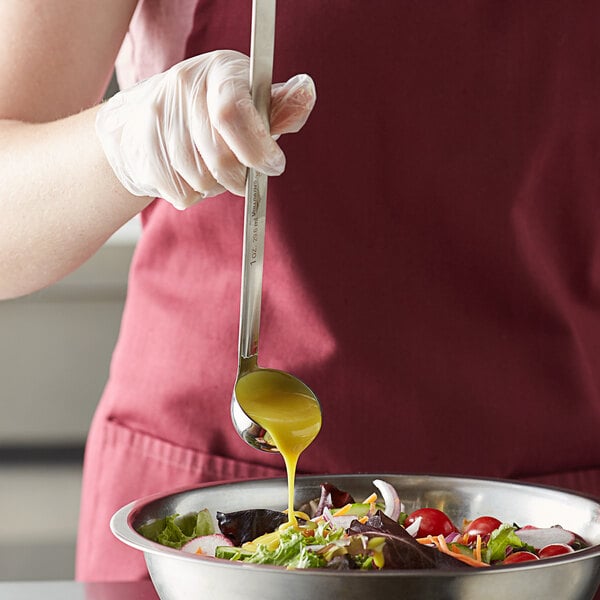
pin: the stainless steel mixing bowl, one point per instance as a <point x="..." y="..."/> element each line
<point x="180" y="576"/>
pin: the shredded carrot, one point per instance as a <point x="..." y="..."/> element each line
<point x="343" y="510"/>
<point x="427" y="540"/>
<point x="468" y="560"/>
<point x="363" y="519"/>
<point x="370" y="499"/>
<point x="441" y="545"/>
<point x="478" y="549"/>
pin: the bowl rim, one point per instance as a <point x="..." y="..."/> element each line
<point x="121" y="525"/>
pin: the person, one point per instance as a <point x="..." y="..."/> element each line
<point x="431" y="264"/>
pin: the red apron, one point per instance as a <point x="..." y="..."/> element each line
<point x="432" y="263"/>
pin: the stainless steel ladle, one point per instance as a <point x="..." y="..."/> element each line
<point x="261" y="70"/>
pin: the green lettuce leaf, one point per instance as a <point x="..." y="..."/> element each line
<point x="175" y="530"/>
<point x="204" y="523"/>
<point x="500" y="540"/>
<point x="292" y="551"/>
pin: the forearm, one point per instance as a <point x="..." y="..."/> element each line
<point x="60" y="201"/>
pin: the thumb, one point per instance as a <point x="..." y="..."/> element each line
<point x="291" y="104"/>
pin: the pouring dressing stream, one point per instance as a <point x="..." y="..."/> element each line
<point x="272" y="410"/>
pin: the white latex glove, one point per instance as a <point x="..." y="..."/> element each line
<point x="191" y="132"/>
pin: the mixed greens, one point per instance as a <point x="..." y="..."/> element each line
<point x="336" y="532"/>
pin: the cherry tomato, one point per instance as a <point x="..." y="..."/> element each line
<point x="519" y="557"/>
<point x="433" y="522"/>
<point x="555" y="550"/>
<point x="481" y="526"/>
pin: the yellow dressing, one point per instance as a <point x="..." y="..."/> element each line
<point x="287" y="410"/>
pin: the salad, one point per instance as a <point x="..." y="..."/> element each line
<point x="335" y="531"/>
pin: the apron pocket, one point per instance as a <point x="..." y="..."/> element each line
<point x="123" y="464"/>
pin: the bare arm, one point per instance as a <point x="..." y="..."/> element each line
<point x="60" y="200"/>
<point x="184" y="135"/>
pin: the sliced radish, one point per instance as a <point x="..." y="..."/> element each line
<point x="393" y="506"/>
<point x="344" y="521"/>
<point x="544" y="536"/>
<point x="206" y="544"/>
<point x="555" y="550"/>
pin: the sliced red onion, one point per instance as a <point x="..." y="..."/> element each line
<point x="341" y="522"/>
<point x="393" y="506"/>
<point x="324" y="502"/>
<point x="452" y="537"/>
<point x="543" y="536"/>
<point x="413" y="528"/>
<point x="327" y="515"/>
<point x="206" y="544"/>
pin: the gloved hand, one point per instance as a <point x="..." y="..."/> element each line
<point x="190" y="133"/>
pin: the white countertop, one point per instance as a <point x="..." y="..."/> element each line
<point x="70" y="590"/>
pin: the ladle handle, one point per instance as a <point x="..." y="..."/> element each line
<point x="261" y="74"/>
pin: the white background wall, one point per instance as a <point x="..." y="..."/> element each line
<point x="55" y="350"/>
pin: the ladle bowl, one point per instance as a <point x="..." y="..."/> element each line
<point x="284" y="384"/>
